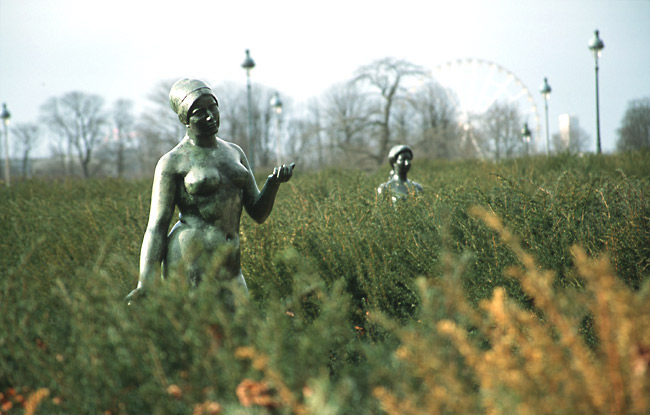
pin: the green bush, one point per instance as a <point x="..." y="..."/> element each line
<point x="355" y="305"/>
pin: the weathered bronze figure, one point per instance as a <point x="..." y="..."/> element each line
<point x="210" y="181"/>
<point x="398" y="186"/>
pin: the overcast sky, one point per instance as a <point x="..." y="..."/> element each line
<point x="121" y="49"/>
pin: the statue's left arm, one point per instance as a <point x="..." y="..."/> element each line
<point x="259" y="203"/>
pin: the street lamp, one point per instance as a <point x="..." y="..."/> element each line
<point x="276" y="104"/>
<point x="545" y="89"/>
<point x="596" y="46"/>
<point x="249" y="64"/>
<point x="6" y="116"/>
<point x="525" y="133"/>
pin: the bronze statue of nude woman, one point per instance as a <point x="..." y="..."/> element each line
<point x="210" y="181"/>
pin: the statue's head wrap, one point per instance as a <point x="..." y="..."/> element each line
<point x="396" y="151"/>
<point x="183" y="94"/>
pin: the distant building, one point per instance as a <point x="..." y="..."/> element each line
<point x="569" y="125"/>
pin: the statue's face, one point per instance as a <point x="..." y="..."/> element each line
<point x="203" y="118"/>
<point x="402" y="163"/>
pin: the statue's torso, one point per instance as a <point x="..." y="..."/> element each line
<point x="209" y="190"/>
<point x="399" y="189"/>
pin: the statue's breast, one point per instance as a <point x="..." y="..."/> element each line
<point x="202" y="180"/>
<point x="234" y="172"/>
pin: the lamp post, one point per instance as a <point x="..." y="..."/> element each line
<point x="596" y="46"/>
<point x="525" y="134"/>
<point x="6" y="116"/>
<point x="276" y="104"/>
<point x="545" y="89"/>
<point x="248" y="65"/>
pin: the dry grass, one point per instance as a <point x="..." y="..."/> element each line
<point x="533" y="361"/>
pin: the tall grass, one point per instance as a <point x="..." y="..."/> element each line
<point x="519" y="287"/>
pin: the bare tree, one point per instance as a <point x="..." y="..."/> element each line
<point x="385" y="78"/>
<point x="501" y="127"/>
<point x="26" y="137"/>
<point x="404" y="128"/>
<point x="307" y="143"/>
<point x="80" y="119"/>
<point x="346" y="121"/>
<point x="262" y="126"/>
<point x="438" y="134"/>
<point x="233" y="111"/>
<point x="58" y="148"/>
<point x="634" y="132"/>
<point x="123" y="132"/>
<point x="158" y="129"/>
<point x="233" y="106"/>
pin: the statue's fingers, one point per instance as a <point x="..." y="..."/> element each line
<point x="290" y="171"/>
<point x="287" y="170"/>
<point x="281" y="173"/>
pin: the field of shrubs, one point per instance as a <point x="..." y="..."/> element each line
<point x="519" y="287"/>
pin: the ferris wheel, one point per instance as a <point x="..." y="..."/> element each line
<point x="477" y="84"/>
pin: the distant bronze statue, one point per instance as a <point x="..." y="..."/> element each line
<point x="398" y="186"/>
<point x="210" y="181"/>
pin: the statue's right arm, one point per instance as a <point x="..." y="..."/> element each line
<point x="154" y="243"/>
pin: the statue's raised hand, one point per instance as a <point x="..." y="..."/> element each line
<point x="281" y="174"/>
